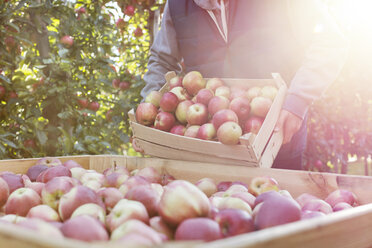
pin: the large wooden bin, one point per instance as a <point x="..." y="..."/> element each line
<point x="348" y="228"/>
<point x="254" y="150"/>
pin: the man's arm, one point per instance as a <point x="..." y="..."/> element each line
<point x="324" y="59"/>
<point x="164" y="55"/>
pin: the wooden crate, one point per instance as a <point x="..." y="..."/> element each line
<point x="255" y="150"/>
<point x="348" y="228"/>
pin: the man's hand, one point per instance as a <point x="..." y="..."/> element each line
<point x="290" y="123"/>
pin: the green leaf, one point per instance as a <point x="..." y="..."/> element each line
<point x="9" y="143"/>
<point x="5" y="79"/>
<point x="41" y="136"/>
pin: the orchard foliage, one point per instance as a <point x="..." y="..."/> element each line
<point x="69" y="73"/>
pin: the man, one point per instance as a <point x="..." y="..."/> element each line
<point x="252" y="39"/>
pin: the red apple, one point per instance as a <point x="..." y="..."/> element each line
<point x="150" y="174"/>
<point x="224" y="185"/>
<point x="77" y="172"/>
<point x="206" y="131"/>
<point x="232" y="202"/>
<point x="93" y="180"/>
<point x="169" y="102"/>
<point x="37" y="186"/>
<point x="234" y="222"/>
<point x="304" y="198"/>
<point x="204" y="229"/>
<point x="94" y="106"/>
<point x="164" y="121"/>
<point x="4" y="192"/>
<point x="147" y="195"/>
<point x="146" y="113"/>
<point x="213" y="84"/>
<point x="260" y="106"/>
<point x="181" y="111"/>
<point x="193" y="82"/>
<point x="241" y="106"/>
<point x="261" y="184"/>
<point x="222" y="116"/>
<point x="91" y="209"/>
<point x="341" y="195"/>
<point x="204" y="96"/>
<point x="253" y="92"/>
<point x="115" y="179"/>
<point x="197" y="114"/>
<point x="14" y="181"/>
<point x="318" y="205"/>
<point x="341" y="206"/>
<point x="85" y="228"/>
<point x="229" y="133"/>
<point x="71" y="164"/>
<point x="158" y="224"/>
<point x="129" y="10"/>
<point x="269" y="91"/>
<point x="175" y="82"/>
<point x="253" y="124"/>
<point x="217" y="103"/>
<point x="307" y="214"/>
<point x="43" y="212"/>
<point x="83" y="103"/>
<point x="2" y="91"/>
<point x="49" y="161"/>
<point x="120" y="23"/>
<point x="133" y="181"/>
<point x="110" y="196"/>
<point x="52" y="172"/>
<point x="55" y="189"/>
<point x="42" y="228"/>
<point x="181" y="93"/>
<point x="21" y="200"/>
<point x="138" y="32"/>
<point x="237" y="91"/>
<point x="126" y="210"/>
<point x="178" y="129"/>
<point x="154" y="98"/>
<point x="124" y="86"/>
<point x="117" y="169"/>
<point x="67" y="41"/>
<point x="223" y="91"/>
<point x="192" y="131"/>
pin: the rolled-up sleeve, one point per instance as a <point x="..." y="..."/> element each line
<point x="164" y="55"/>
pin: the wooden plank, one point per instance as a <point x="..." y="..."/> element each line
<point x="212" y="148"/>
<point x="271" y="150"/>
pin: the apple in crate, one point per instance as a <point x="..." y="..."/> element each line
<point x="55" y="171"/>
<point x="140" y="228"/>
<point x="126" y="210"/>
<point x="204" y="229"/>
<point x="181" y="110"/>
<point x="4" y="192"/>
<point x="223" y="91"/>
<point x="49" y="161"/>
<point x="229" y="133"/>
<point x="341" y="206"/>
<point x="217" y="103"/>
<point x="91" y="209"/>
<point x="93" y="180"/>
<point x="261" y="184"/>
<point x="234" y="222"/>
<point x="132" y="182"/>
<point x="41" y="227"/>
<point x="213" y="84"/>
<point x="207" y="185"/>
<point x="193" y="81"/>
<point x="71" y="164"/>
<point x="197" y="114"/>
<point x="178" y="130"/>
<point x="307" y="214"/>
<point x="77" y="172"/>
<point x="260" y="106"/>
<point x="253" y="92"/>
<point x="233" y="202"/>
<point x="21" y="201"/>
<point x="175" y="82"/>
<point x="77" y="196"/>
<point x="85" y="228"/>
<point x="182" y="200"/>
<point x="253" y="124"/>
<point x="241" y="106"/>
<point x="192" y="131"/>
<point x="341" y="195"/>
<point x="117" y="169"/>
<point x="169" y="102"/>
<point x="55" y="189"/>
<point x="159" y="225"/>
<point x="304" y="198"/>
<point x="223" y="116"/>
<point x="43" y="212"/>
<point x="204" y="96"/>
<point x="154" y="98"/>
<point x="14" y="181"/>
<point x="115" y="179"/>
<point x="150" y="174"/>
<point x="207" y="131"/>
<point x="164" y="121"/>
<point x="181" y="93"/>
<point x="34" y="171"/>
<point x="269" y="91"/>
<point x="146" y="113"/>
<point x="147" y="195"/>
<point x="246" y="197"/>
<point x="110" y="196"/>
<point x="12" y="218"/>
<point x="318" y="205"/>
<point x="237" y="91"/>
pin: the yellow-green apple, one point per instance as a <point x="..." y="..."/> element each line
<point x="233" y="202"/>
<point x="253" y="92"/>
<point x="181" y="94"/>
<point x="126" y="210"/>
<point x="71" y="164"/>
<point x="118" y="169"/>
<point x="181" y="110"/>
<point x="224" y="185"/>
<point x="341" y="206"/>
<point x="207" y="131"/>
<point x="4" y="192"/>
<point x="54" y="190"/>
<point x="236" y="188"/>
<point x="213" y="84"/>
<point x="37" y="186"/>
<point x="304" y="198"/>
<point x="222" y="116"/>
<point x="223" y="91"/>
<point x="85" y="228"/>
<point x="147" y="195"/>
<point x="77" y="196"/>
<point x="110" y="196"/>
<point x="77" y="172"/>
<point x="146" y="113"/>
<point x="49" y="161"/>
<point x="204" y="96"/>
<point x="41" y="227"/>
<point x="237" y="91"/>
<point x="34" y="171"/>
<point x="260" y="106"/>
<point x="93" y="180"/>
<point x="207" y="185"/>
<point x="178" y="129"/>
<point x="43" y="212"/>
<point x="137" y="227"/>
<point x="341" y="195"/>
<point x="182" y="200"/>
<point x="245" y="196"/>
<point x="229" y="133"/>
<point x="55" y="171"/>
<point x="318" y="205"/>
<point x="197" y="114"/>
<point x="132" y="182"/>
<point x="21" y="200"/>
<point x="14" y="181"/>
<point x="253" y="125"/>
<point x="261" y="184"/>
<point x="241" y="106"/>
<point x="269" y="91"/>
<point x="276" y="210"/>
<point x="150" y="174"/>
<point x="217" y="103"/>
<point x="193" y="81"/>
<point x="154" y="98"/>
<point x="201" y="228"/>
<point x="175" y="82"/>
<point x="307" y="214"/>
<point x="67" y="41"/>
<point x="91" y="209"/>
<point x="192" y="131"/>
<point x="164" y="121"/>
<point x="159" y="225"/>
<point x="234" y="222"/>
<point x="115" y="179"/>
<point x="169" y="102"/>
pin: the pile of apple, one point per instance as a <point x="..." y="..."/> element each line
<point x="146" y="207"/>
<point x="207" y="109"/>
